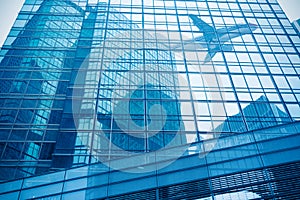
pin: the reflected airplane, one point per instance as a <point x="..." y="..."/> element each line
<point x="214" y="39"/>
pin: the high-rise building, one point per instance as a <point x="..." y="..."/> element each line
<point x="135" y="99"/>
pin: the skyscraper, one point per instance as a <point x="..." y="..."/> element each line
<point x="175" y="99"/>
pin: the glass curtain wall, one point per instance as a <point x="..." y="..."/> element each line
<point x="87" y="81"/>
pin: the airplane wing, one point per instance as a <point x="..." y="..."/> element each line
<point x="206" y="29"/>
<point x="227" y="47"/>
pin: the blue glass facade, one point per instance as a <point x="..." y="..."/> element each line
<point x="33" y="87"/>
<point x="138" y="99"/>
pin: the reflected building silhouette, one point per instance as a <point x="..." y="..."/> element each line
<point x="40" y="69"/>
<point x="163" y="133"/>
<point x="132" y="81"/>
<point x="258" y="114"/>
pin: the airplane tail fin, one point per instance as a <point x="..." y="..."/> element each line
<point x="202" y="25"/>
<point x="206" y="29"/>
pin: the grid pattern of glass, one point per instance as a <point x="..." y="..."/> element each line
<point x="34" y="69"/>
<point x="140" y="74"/>
<point x="242" y="166"/>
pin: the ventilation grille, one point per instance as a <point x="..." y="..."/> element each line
<point x="185" y="191"/>
<point x="149" y="194"/>
<point x="280" y="182"/>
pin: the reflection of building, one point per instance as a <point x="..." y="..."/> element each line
<point x="161" y="135"/>
<point x="84" y="80"/>
<point x="142" y="75"/>
<point x="258" y="114"/>
<point x="61" y="146"/>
